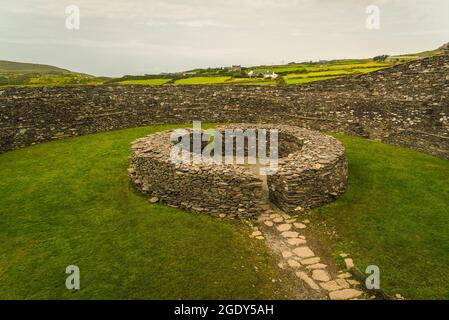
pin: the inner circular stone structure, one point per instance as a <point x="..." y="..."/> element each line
<point x="311" y="170"/>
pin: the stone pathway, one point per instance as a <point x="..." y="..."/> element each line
<point x="285" y="235"/>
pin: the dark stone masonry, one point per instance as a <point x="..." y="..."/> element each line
<point x="311" y="170"/>
<point x="405" y="105"/>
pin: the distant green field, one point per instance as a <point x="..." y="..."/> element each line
<point x="203" y="80"/>
<point x="28" y="74"/>
<point x="150" y="82"/>
<point x="48" y="80"/>
<point x="301" y="80"/>
<point x="249" y="81"/>
<point x="359" y="66"/>
<point x="366" y="70"/>
<point x="330" y="72"/>
<point x="278" y="69"/>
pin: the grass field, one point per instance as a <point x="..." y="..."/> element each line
<point x="148" y="82"/>
<point x="396" y="216"/>
<point x="69" y="202"/>
<point x="301" y="80"/>
<point x="330" y="72"/>
<point x="30" y="74"/>
<point x="203" y="80"/>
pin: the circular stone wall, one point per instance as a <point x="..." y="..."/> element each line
<point x="312" y="170"/>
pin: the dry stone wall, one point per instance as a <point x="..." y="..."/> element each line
<point x="405" y="105"/>
<point x="314" y="175"/>
<point x="312" y="171"/>
<point x="215" y="189"/>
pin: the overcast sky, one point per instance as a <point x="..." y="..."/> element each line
<point x="118" y="37"/>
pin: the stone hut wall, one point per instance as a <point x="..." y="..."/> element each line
<point x="307" y="176"/>
<point x="405" y="105"/>
<point x="314" y="175"/>
<point x="212" y="189"/>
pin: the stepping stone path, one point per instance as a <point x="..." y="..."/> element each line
<point x="298" y="256"/>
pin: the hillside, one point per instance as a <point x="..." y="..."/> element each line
<point x="21" y="67"/>
<point x="29" y="74"/>
<point x="32" y="74"/>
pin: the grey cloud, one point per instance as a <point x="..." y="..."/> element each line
<point x="136" y="36"/>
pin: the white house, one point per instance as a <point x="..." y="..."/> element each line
<point x="266" y="75"/>
<point x="270" y="75"/>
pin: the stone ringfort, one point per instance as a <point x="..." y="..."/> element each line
<point x="312" y="170"/>
<point x="405" y="105"/>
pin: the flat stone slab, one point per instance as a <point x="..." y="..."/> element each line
<point x="296" y="241"/>
<point x="335" y="285"/>
<point x="303" y="252"/>
<point x="304" y="277"/>
<point x="293" y="263"/>
<point x="345" y="275"/>
<point x="310" y="261"/>
<point x="269" y="223"/>
<point x="345" y="294"/>
<point x="330" y="286"/>
<point x="349" y="263"/>
<point x="316" y="266"/>
<point x="284" y="227"/>
<point x="299" y="225"/>
<point x="289" y="234"/>
<point x="321" y="275"/>
<point x="343" y="283"/>
<point x="256" y="234"/>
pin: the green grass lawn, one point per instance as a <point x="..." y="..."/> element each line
<point x="301" y="80"/>
<point x="69" y="202"/>
<point x="330" y="72"/>
<point x="395" y="215"/>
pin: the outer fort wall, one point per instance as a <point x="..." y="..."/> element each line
<point x="406" y="105"/>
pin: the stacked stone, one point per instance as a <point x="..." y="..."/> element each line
<point x="311" y="177"/>
<point x="215" y="189"/>
<point x="311" y="172"/>
<point x="405" y="105"/>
